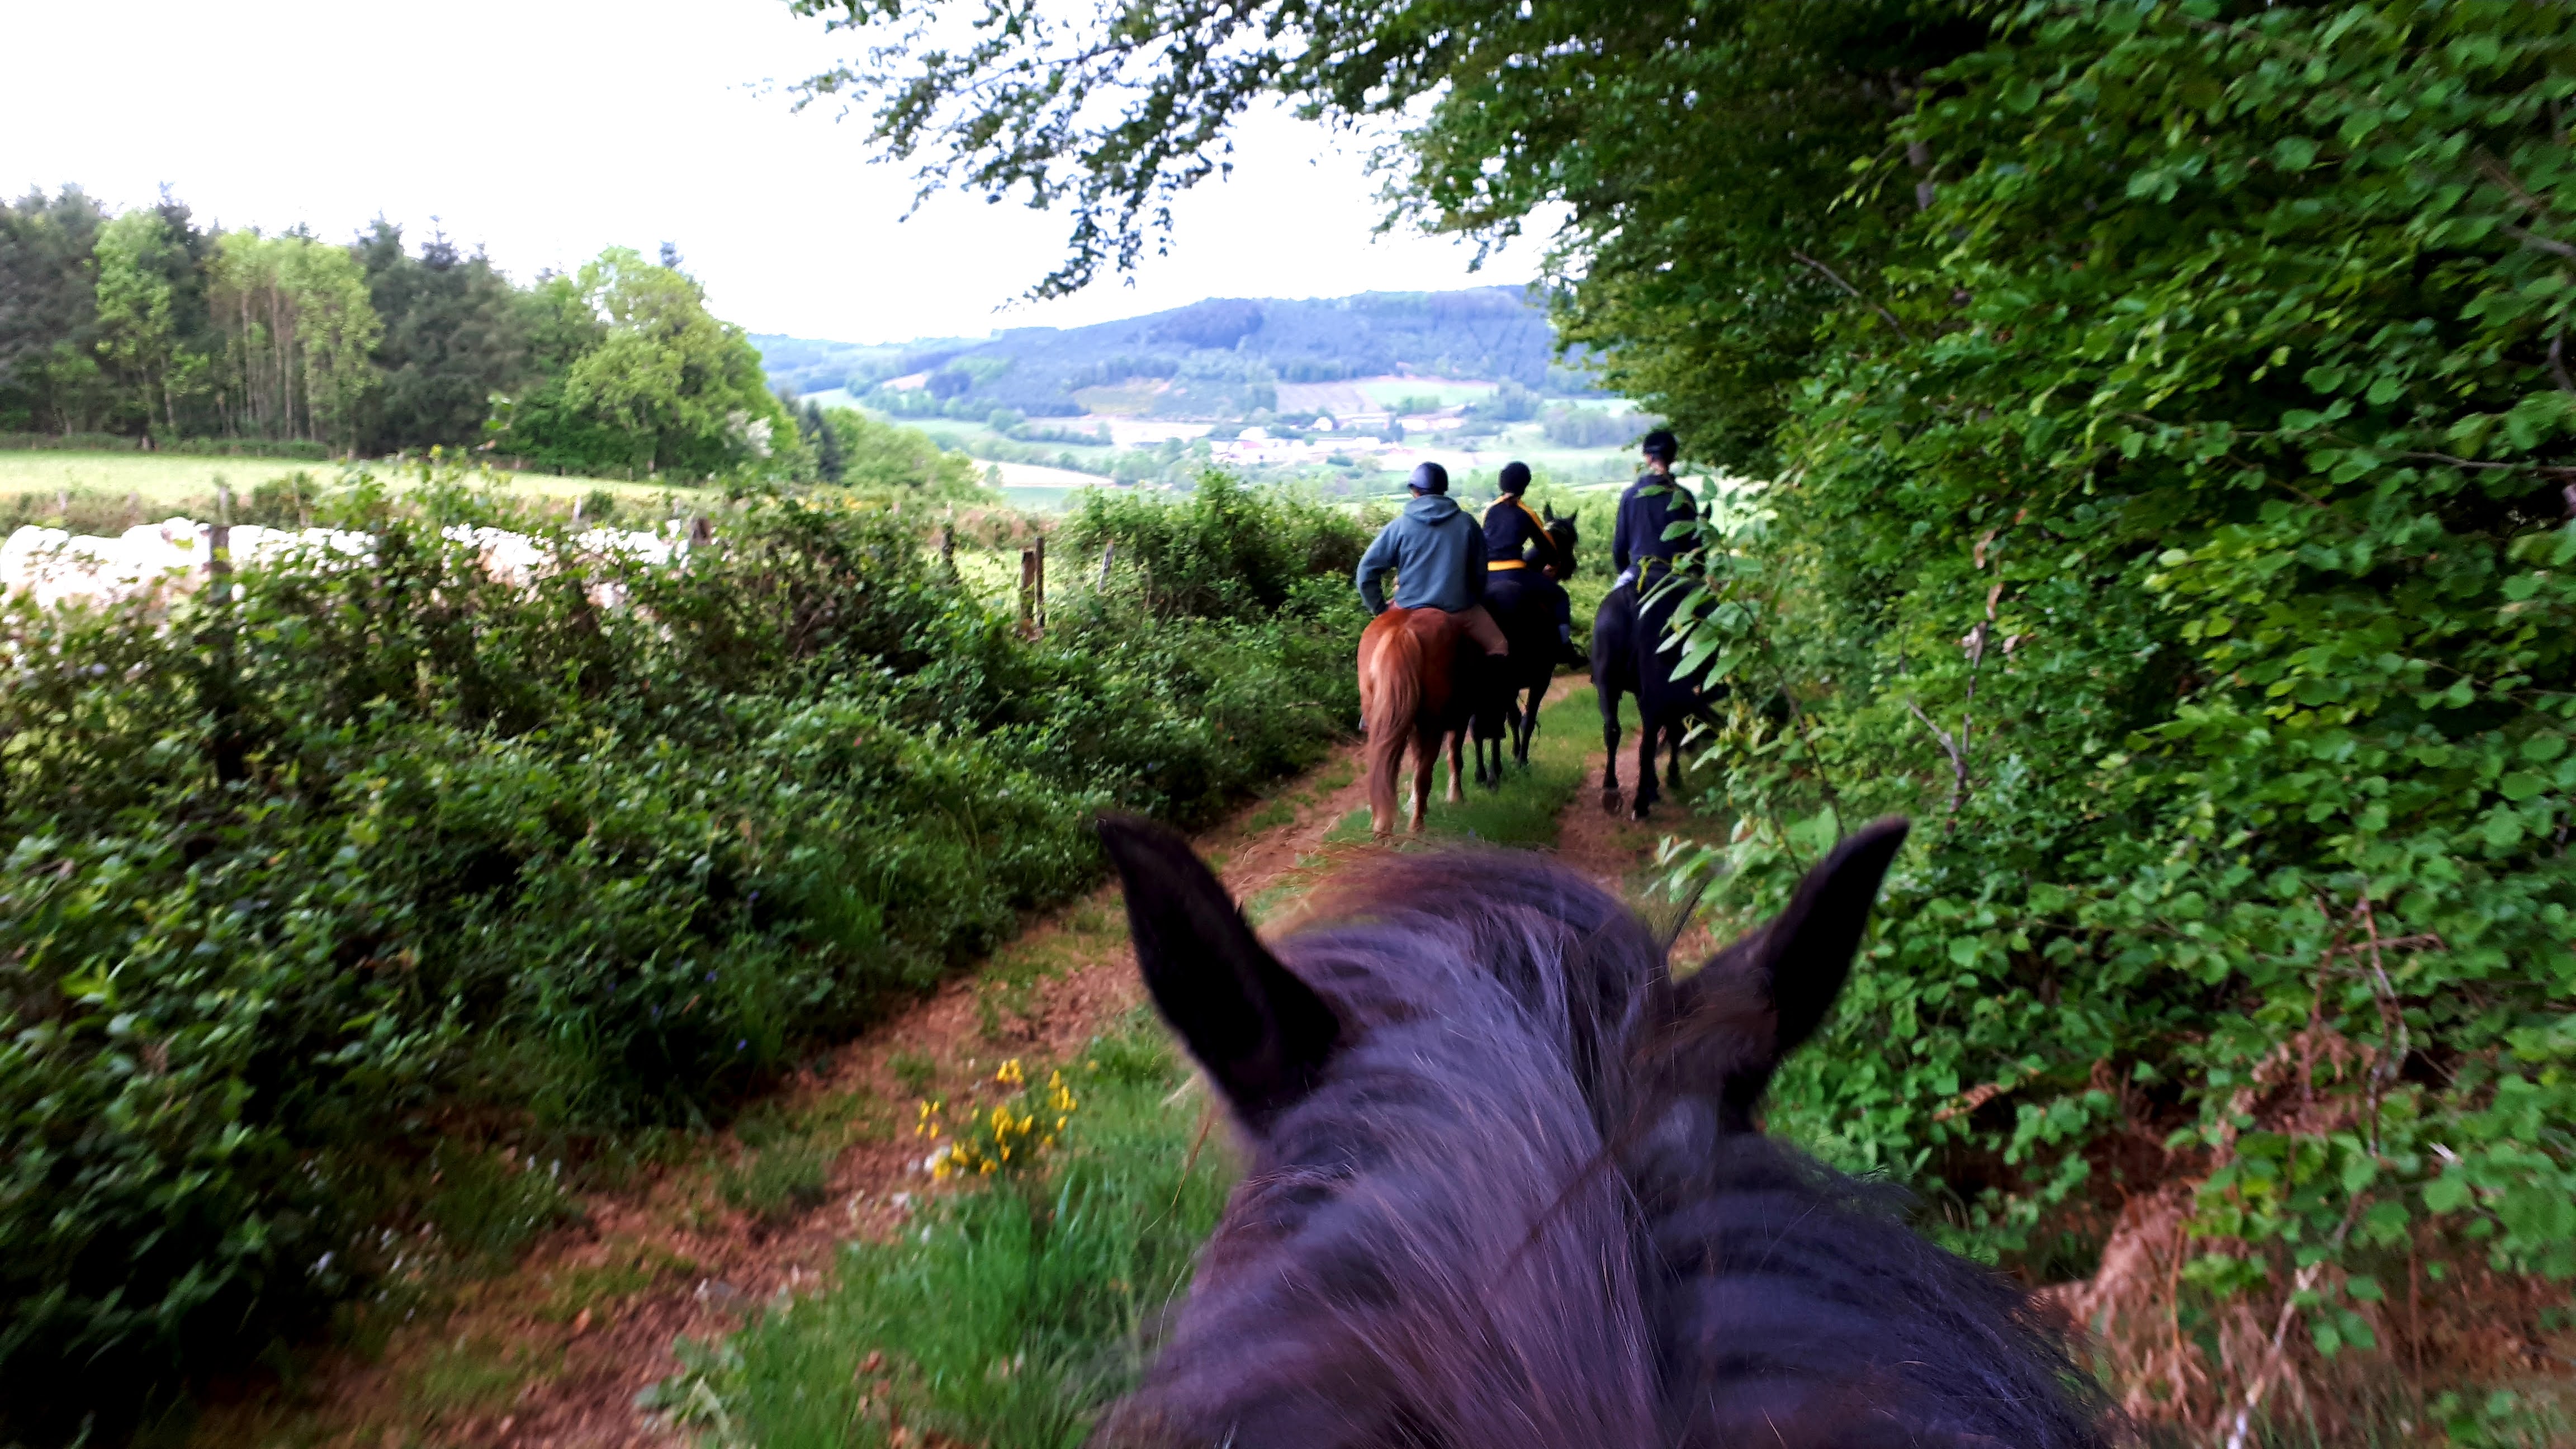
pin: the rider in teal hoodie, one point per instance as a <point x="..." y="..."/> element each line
<point x="1437" y="553"/>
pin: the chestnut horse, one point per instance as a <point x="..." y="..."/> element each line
<point x="1506" y="1185"/>
<point x="1418" y="677"/>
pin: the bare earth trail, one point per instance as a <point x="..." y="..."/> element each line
<point x="551" y="1353"/>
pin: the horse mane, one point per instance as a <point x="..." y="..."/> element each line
<point x="1629" y="1271"/>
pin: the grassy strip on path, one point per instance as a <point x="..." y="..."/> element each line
<point x="1525" y="809"/>
<point x="1007" y="1313"/>
<point x="1015" y="1310"/>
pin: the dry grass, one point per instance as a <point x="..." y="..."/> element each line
<point x="2233" y="1369"/>
<point x="2189" y="1364"/>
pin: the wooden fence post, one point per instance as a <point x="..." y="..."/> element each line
<point x="1033" y="589"/>
<point x="219" y="690"/>
<point x="1108" y="551"/>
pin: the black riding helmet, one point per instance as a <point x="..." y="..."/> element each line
<point x="1515" y="479"/>
<point x="1429" y="478"/>
<point x="1661" y="446"/>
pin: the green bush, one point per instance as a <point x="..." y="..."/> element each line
<point x="1225" y="551"/>
<point x="379" y="845"/>
<point x="2184" y="541"/>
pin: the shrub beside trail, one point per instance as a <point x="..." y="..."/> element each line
<point x="306" y="886"/>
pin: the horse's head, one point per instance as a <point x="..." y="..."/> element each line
<point x="1439" y="1083"/>
<point x="1560" y="532"/>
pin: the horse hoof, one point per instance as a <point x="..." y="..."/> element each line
<point x="1610" y="801"/>
<point x="1641" y="810"/>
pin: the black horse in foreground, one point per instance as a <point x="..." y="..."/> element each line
<point x="1629" y="657"/>
<point x="1528" y="621"/>
<point x="1506" y="1189"/>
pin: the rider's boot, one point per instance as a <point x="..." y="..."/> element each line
<point x="1565" y="642"/>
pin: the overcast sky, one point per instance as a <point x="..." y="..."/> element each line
<point x="545" y="130"/>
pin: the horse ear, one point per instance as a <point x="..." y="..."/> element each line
<point x="1791" y="969"/>
<point x="1262" y="1034"/>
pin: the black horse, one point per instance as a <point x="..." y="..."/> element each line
<point x="1628" y="657"/>
<point x="1528" y="621"/>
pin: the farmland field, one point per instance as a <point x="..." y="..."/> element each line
<point x="174" y="478"/>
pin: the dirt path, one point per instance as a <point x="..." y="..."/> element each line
<point x="1596" y="837"/>
<point x="551" y="1354"/>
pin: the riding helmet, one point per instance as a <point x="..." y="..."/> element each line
<point x="1429" y="478"/>
<point x="1661" y="445"/>
<point x="1516" y="478"/>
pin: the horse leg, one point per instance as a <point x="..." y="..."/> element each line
<point x="1529" y="721"/>
<point x="1609" y="750"/>
<point x="1646" y="791"/>
<point x="1457" y="765"/>
<point x="1426" y="763"/>
<point x="1673" y="760"/>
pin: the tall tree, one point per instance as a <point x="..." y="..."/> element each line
<point x="49" y="373"/>
<point x="300" y="335"/>
<point x="650" y="382"/>
<point x="829" y="460"/>
<point x="138" y="322"/>
<point x="455" y="336"/>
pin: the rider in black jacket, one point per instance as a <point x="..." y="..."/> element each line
<point x="1519" y="550"/>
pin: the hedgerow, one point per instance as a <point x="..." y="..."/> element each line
<point x="376" y="854"/>
<point x="2184" y="538"/>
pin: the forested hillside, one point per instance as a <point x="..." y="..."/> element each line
<point x="145" y="326"/>
<point x="1221" y="358"/>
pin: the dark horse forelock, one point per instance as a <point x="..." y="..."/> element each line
<point x="1522" y="1206"/>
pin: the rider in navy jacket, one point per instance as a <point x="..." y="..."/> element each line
<point x="1653" y="503"/>
<point x="1437" y="555"/>
<point x="1517" y="544"/>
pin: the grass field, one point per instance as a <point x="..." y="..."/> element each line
<point x="175" y="478"/>
<point x="180" y="482"/>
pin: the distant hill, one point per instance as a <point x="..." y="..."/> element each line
<point x="1225" y="358"/>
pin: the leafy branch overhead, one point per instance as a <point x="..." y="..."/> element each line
<point x="1715" y="136"/>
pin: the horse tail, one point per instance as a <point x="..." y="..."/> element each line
<point x="1390" y="702"/>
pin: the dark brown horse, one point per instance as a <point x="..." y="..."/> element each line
<point x="1506" y="1187"/>
<point x="1419" y="674"/>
